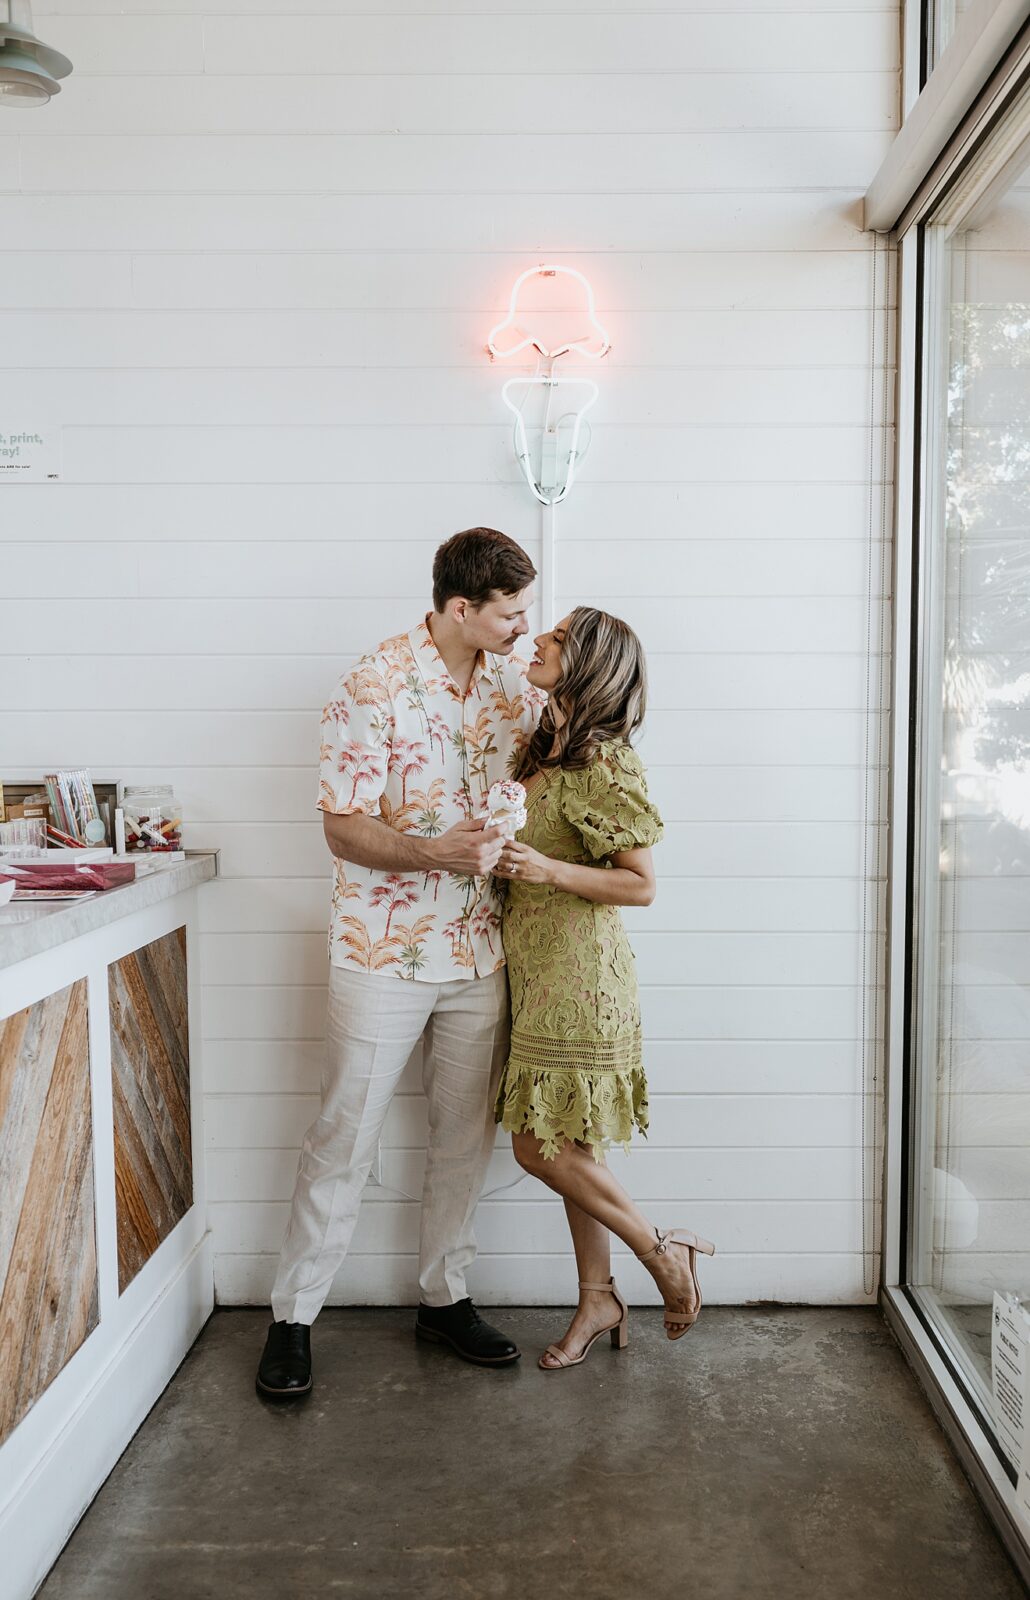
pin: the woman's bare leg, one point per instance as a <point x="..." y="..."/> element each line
<point x="590" y="1186"/>
<point x="592" y="1244"/>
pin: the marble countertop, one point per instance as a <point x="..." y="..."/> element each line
<point x="27" y="930"/>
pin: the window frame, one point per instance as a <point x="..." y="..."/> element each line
<point x="979" y="161"/>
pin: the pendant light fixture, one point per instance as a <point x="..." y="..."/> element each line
<point x="29" y="69"/>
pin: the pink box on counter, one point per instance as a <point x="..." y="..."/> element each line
<point x="64" y="875"/>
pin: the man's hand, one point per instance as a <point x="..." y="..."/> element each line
<point x="469" y="847"/>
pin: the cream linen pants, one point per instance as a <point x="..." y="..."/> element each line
<point x="375" y="1022"/>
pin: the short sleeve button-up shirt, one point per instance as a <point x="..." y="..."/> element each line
<point x="401" y="743"/>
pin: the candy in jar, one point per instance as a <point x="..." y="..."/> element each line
<point x="153" y="818"/>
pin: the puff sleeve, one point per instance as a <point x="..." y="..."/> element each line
<point x="607" y="803"/>
<point x="354" y="752"/>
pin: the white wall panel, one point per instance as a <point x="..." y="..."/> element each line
<point x="552" y="223"/>
<point x="807" y="813"/>
<point x="675" y="397"/>
<point x="693" y="905"/>
<point x="669" y="281"/>
<point x="447" y="163"/>
<point x="531" y="1279"/>
<point x="680" y="1066"/>
<point x="10" y="163"/>
<point x="680" y="1122"/>
<point x="768" y="1173"/>
<point x="358" y="512"/>
<point x="248" y="272"/>
<point x="110" y="43"/>
<point x="703" y="849"/>
<point x="501" y="43"/>
<point x="227" y="627"/>
<point x="745" y="738"/>
<point x="291" y="454"/>
<point x="291" y="682"/>
<point x="404" y="338"/>
<point x="802" y="958"/>
<point x="344" y="8"/>
<point x="392" y="1226"/>
<point x="33" y="281"/>
<point x="455" y="103"/>
<point x="296" y="568"/>
<point x="465" y="104"/>
<point x="689" y="1011"/>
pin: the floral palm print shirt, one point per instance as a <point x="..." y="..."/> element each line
<point x="401" y="743"/>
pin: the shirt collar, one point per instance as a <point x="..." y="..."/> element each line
<point x="432" y="665"/>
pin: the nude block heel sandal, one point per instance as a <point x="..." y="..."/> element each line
<point x="678" y="1320"/>
<point x="618" y="1330"/>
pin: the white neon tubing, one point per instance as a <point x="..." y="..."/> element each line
<point x="580" y="346"/>
<point x="522" y="442"/>
<point x="548" y="576"/>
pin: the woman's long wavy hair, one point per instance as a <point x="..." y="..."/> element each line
<point x="602" y="693"/>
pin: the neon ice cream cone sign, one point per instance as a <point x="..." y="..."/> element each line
<point x="594" y="345"/>
<point x="552" y="479"/>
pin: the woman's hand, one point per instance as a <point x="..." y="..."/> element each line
<point x="521" y="863"/>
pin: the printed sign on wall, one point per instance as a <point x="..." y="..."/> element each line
<point x="30" y="455"/>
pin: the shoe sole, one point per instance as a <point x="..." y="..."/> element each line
<point x="279" y="1395"/>
<point x="432" y="1337"/>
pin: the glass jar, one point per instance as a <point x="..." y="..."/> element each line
<point x="23" y="838"/>
<point x="153" y="818"/>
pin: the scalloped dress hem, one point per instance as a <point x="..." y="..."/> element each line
<point x="573" y="1105"/>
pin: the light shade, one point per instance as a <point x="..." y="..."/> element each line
<point x="29" y="69"/>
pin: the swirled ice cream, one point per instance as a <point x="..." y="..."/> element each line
<point x="506" y="807"/>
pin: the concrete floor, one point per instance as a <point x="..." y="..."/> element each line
<point x="770" y="1453"/>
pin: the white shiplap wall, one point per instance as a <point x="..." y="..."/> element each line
<point x="248" y="270"/>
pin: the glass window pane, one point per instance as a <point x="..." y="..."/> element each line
<point x="942" y="19"/>
<point x="971" y="1189"/>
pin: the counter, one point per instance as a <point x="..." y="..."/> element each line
<point x="105" y="1263"/>
<point x="26" y="930"/>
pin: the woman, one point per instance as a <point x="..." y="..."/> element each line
<point x="574" y="1082"/>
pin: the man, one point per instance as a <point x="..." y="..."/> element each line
<point x="411" y="743"/>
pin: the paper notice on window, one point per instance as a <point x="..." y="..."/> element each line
<point x="1009" y="1331"/>
<point x="1023" y="1484"/>
<point x="30" y="455"/>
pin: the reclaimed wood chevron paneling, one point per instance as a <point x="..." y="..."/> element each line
<point x="151" y="1083"/>
<point x="48" y="1254"/>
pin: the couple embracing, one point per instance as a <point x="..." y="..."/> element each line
<point x="437" y="917"/>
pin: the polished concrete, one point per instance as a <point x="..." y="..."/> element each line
<point x="769" y="1453"/>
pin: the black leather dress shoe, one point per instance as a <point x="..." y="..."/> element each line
<point x="464" y="1330"/>
<point x="284" y="1372"/>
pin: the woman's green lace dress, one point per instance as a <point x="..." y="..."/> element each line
<point x="575" y="1070"/>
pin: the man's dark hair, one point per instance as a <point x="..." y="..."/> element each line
<point x="478" y="564"/>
